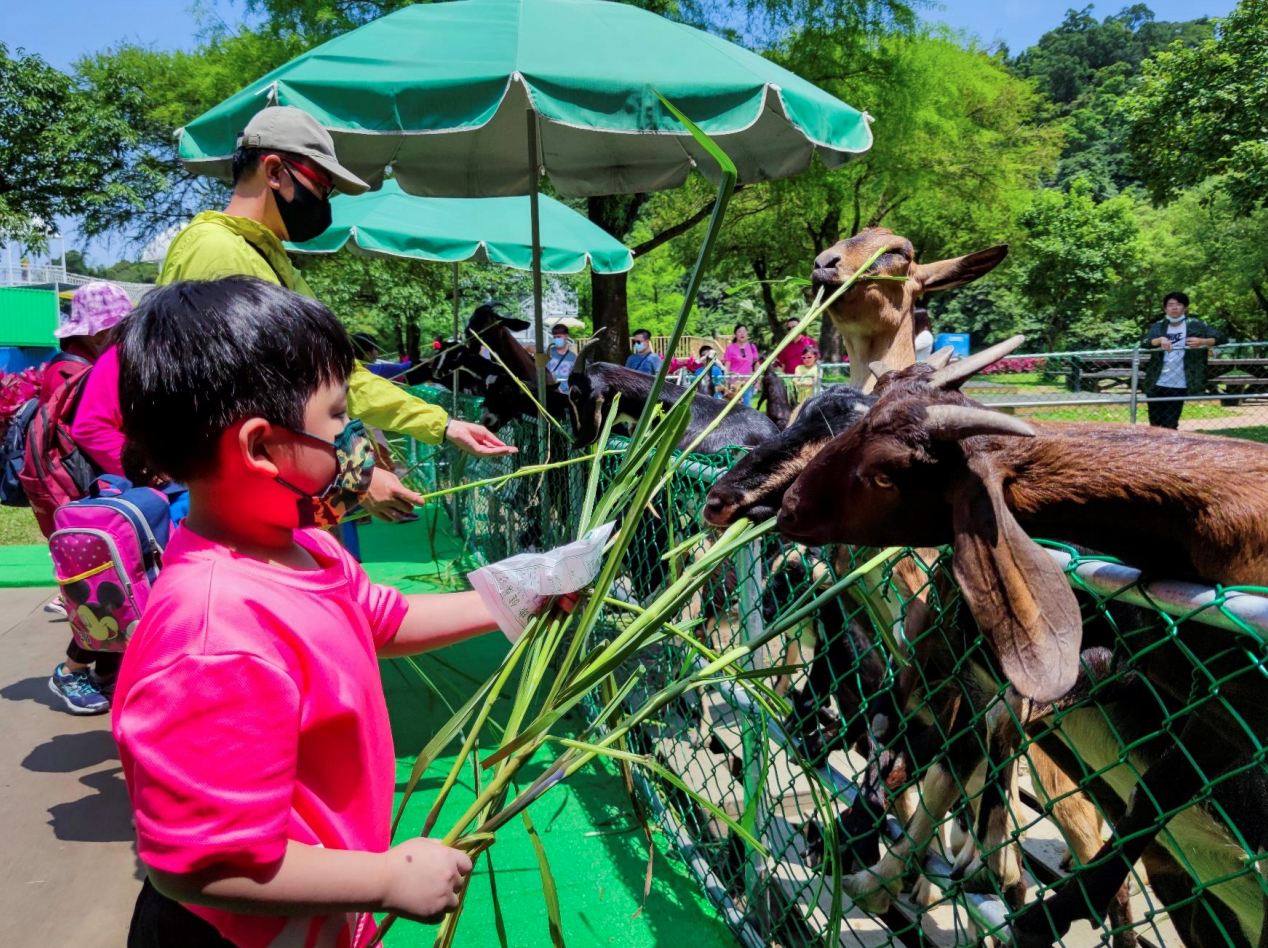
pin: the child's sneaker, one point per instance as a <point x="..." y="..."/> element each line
<point x="79" y="690"/>
<point x="54" y="607"/>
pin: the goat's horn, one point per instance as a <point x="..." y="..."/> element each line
<point x="583" y="354"/>
<point x="953" y="422"/>
<point x="957" y="373"/>
<point x="941" y="358"/>
<point x="878" y="369"/>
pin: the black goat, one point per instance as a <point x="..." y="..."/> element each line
<point x="504" y="399"/>
<point x="774" y="399"/>
<point x="591" y="390"/>
<point x="755" y="486"/>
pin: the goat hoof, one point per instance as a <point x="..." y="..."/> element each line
<point x="863" y="891"/>
<point x="924" y="893"/>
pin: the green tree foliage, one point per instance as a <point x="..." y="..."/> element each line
<point x="1200" y="244"/>
<point x="1077" y="254"/>
<point x="956" y="151"/>
<point x="1202" y="111"/>
<point x="155" y="93"/>
<point x="62" y="148"/>
<point x="1085" y="67"/>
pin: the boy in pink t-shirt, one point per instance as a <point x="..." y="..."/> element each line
<point x="249" y="713"/>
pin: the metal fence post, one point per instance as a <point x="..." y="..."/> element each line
<point x="1135" y="382"/>
<point x="748" y="565"/>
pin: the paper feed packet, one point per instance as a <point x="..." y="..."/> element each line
<point x="515" y="589"/>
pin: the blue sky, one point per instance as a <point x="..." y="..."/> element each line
<point x="84" y="26"/>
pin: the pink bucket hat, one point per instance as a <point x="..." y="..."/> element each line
<point x="94" y="307"/>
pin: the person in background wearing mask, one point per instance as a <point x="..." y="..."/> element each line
<point x="923" y="336"/>
<point x="284" y="172"/>
<point x="562" y="358"/>
<point x="739" y="358"/>
<point x="1181" y="344"/>
<point x="643" y="359"/>
<point x="790" y="358"/>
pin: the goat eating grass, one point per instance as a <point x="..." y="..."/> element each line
<point x="927" y="466"/>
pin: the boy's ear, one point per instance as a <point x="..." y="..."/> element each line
<point x="247" y="444"/>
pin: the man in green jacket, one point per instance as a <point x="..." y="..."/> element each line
<point x="284" y="172"/>
<point x="1182" y="344"/>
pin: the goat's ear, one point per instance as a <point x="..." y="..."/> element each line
<point x="1017" y="594"/>
<point x="957" y="271"/>
<point x="513" y="324"/>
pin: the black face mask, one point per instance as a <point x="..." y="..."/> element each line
<point x="305" y="214"/>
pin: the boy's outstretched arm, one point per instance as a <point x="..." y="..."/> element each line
<point x="420" y="879"/>
<point x="435" y="620"/>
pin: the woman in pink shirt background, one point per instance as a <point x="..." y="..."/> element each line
<point x="249" y="713"/>
<point x="740" y="357"/>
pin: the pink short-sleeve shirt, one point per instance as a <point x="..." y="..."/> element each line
<point x="249" y="712"/>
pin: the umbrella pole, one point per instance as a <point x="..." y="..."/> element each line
<point x="539" y="331"/>
<point x="455" y="332"/>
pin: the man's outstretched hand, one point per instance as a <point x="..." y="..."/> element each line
<point x="389" y="499"/>
<point x="477" y="439"/>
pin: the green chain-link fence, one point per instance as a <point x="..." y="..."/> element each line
<point x="901" y="757"/>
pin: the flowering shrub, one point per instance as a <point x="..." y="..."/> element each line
<point x="15" y="389"/>
<point x="1014" y="366"/>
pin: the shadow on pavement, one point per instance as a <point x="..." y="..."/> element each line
<point x="32" y="689"/>
<point x="103" y="817"/>
<point x="67" y="753"/>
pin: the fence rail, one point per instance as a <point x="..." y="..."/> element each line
<point x="1108" y="385"/>
<point x="896" y="762"/>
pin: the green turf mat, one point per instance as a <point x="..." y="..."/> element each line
<point x="25" y="565"/>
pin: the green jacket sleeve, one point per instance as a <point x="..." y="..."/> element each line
<point x="382" y="404"/>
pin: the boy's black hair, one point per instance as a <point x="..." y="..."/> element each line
<point x="246" y="160"/>
<point x="642" y="332"/>
<point x="1181" y="298"/>
<point x="195" y="358"/>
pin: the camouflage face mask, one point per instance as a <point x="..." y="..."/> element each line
<point x="354" y="466"/>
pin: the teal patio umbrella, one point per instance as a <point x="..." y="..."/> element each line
<point x="479" y="98"/>
<point x="390" y="223"/>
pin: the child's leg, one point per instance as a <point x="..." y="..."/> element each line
<point x="71" y="682"/>
<point x="158" y="922"/>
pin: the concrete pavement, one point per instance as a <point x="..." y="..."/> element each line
<point x="68" y="868"/>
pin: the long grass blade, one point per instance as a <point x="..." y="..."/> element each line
<point x="549" y="892"/>
<point x="613" y="698"/>
<point x="523" y="388"/>
<point x="592" y="481"/>
<point x="666" y="774"/>
<point x="726" y="187"/>
<point x="498" y="921"/>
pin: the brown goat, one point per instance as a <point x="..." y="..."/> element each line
<point x="928" y="466"/>
<point x="876" y="317"/>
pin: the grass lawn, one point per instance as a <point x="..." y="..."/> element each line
<point x="1255" y="433"/>
<point x="1117" y="413"/>
<point x="17" y="527"/>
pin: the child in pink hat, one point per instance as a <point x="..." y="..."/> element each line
<point x="85" y="679"/>
<point x="95" y="309"/>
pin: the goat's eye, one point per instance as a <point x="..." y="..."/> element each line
<point x="882" y="481"/>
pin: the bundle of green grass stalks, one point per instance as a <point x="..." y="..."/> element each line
<point x="559" y="662"/>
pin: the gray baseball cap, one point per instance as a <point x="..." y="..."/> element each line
<point x="293" y="130"/>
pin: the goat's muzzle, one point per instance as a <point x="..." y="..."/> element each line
<point x="798" y="520"/>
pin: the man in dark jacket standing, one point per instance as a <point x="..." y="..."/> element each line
<point x="1182" y="344"/>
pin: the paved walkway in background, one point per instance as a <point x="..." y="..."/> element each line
<point x="69" y="872"/>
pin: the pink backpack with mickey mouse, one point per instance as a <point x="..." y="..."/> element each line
<point x="107" y="549"/>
